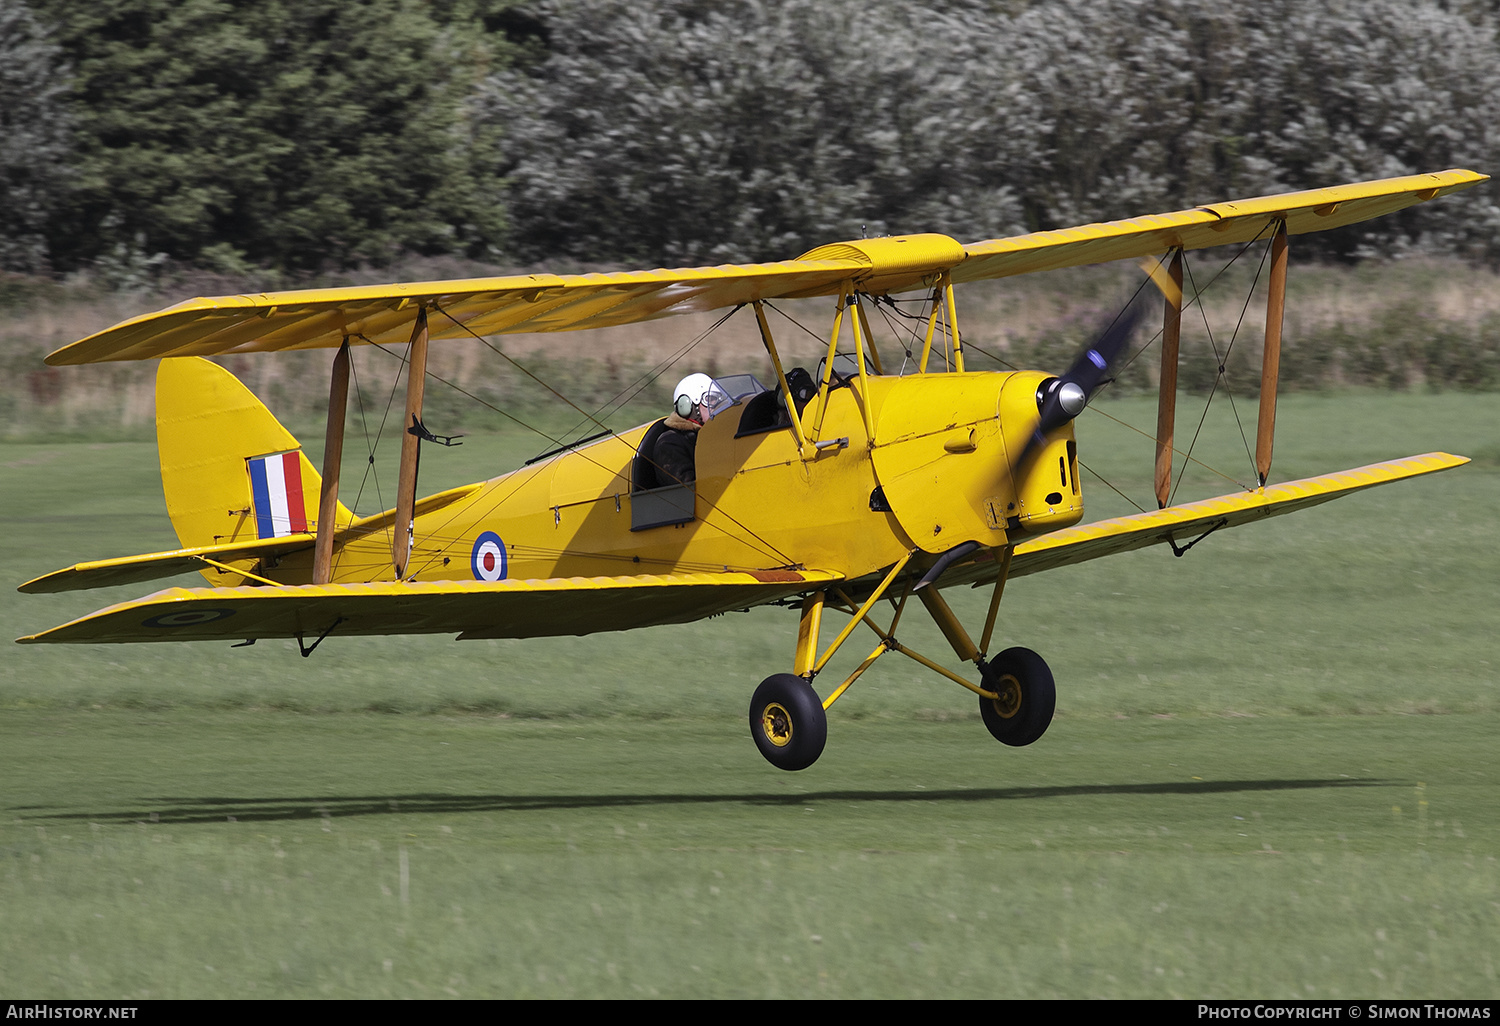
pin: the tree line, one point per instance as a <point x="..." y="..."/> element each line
<point x="312" y="136"/>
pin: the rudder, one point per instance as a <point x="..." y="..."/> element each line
<point x="210" y="430"/>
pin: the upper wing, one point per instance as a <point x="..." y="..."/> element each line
<point x="1181" y="524"/>
<point x="472" y="609"/>
<point x="1216" y="224"/>
<point x="322" y="318"/>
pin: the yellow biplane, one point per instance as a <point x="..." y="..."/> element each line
<point x="858" y="482"/>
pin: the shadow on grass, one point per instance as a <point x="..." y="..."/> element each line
<point x="250" y="810"/>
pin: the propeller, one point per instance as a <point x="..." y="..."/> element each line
<point x="1067" y="396"/>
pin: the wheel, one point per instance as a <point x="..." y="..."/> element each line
<point x="788" y="722"/>
<point x="1023" y="711"/>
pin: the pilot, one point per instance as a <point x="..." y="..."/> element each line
<point x="698" y="398"/>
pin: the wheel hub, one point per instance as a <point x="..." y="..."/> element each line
<point x="1008" y="696"/>
<point x="776" y="723"/>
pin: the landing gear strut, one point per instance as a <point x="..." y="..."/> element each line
<point x="790" y="725"/>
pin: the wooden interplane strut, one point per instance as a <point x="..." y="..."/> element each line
<point x="1270" y="369"/>
<point x="406" y="487"/>
<point x="1166" y="404"/>
<point x="333" y="455"/>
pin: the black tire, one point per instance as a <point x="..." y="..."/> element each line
<point x="1027" y="697"/>
<point x="788" y="722"/>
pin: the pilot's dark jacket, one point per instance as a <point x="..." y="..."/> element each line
<point x="674" y="451"/>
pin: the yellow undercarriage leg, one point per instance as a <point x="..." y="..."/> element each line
<point x="995" y="596"/>
<point x="807" y="635"/>
<point x="963" y="645"/>
<point x="942" y="615"/>
<point x="888" y="643"/>
<point x="981" y="692"/>
<point x="880" y="650"/>
<point x="861" y="612"/>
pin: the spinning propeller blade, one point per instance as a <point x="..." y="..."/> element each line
<point x="1066" y="396"/>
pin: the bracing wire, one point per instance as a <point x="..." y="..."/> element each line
<point x="764" y="546"/>
<point x="886" y="309"/>
<point x="624" y="396"/>
<point x="1223" y="363"/>
<point x="518" y="366"/>
<point x="370" y="470"/>
<point x="1111" y="487"/>
<point x="1096" y="411"/>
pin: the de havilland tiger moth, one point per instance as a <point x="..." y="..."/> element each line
<point x="855" y="487"/>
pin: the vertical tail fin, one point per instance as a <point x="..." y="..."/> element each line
<point x="211" y="435"/>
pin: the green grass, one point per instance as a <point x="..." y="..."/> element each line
<point x="1237" y="798"/>
<point x="272" y="854"/>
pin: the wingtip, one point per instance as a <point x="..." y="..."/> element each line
<point x="37" y="585"/>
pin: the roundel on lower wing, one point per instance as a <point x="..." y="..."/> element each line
<point x="187" y="618"/>
<point x="488" y="560"/>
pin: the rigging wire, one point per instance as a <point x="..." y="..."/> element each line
<point x="1134" y="297"/>
<point x="629" y="392"/>
<point x="1124" y="424"/>
<point x="1233" y="337"/>
<point x="874" y="300"/>
<point x="772" y="306"/>
<point x="365" y="428"/>
<point x="505" y="356"/>
<point x="470" y="395"/>
<point x="1187" y="456"/>
<point x="1111" y="487"/>
<point x="885" y="309"/>
<point x="967" y="344"/>
<point x="370" y="470"/>
<point x="622" y="398"/>
<point x="1196" y="300"/>
<point x="1197" y="294"/>
<point x="1223" y="362"/>
<point x="1085" y="466"/>
<point x="765" y="547"/>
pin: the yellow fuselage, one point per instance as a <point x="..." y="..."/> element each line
<point x="942" y="457"/>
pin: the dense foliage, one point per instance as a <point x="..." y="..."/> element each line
<point x="683" y="130"/>
<point x="330" y="133"/>
<point x="320" y="132"/>
<point x="35" y="123"/>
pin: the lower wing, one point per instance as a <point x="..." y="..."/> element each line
<point x="1180" y="525"/>
<point x="585" y="605"/>
<point x="471" y="609"/>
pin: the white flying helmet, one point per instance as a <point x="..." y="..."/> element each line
<point x="699" y="397"/>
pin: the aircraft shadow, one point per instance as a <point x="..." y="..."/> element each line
<point x="253" y="810"/>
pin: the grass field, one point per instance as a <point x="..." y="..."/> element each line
<point x="1272" y="772"/>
